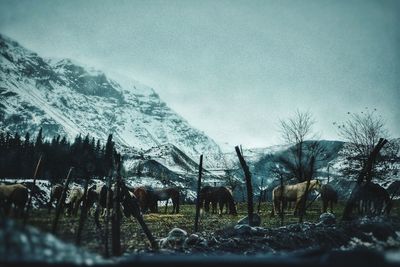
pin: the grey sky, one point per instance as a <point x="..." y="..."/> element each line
<point x="232" y="68"/>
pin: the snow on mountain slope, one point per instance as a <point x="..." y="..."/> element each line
<point x="65" y="98"/>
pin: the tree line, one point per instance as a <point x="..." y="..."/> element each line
<point x="88" y="156"/>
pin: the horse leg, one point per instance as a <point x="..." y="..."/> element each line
<point x="50" y="205"/>
<point x="206" y="206"/>
<point x="279" y="206"/>
<point x="297" y="206"/>
<point x="214" y="207"/>
<point x="177" y="205"/>
<point x="331" y="206"/>
<point x="221" y="207"/>
<point x="166" y="207"/>
<point x="173" y="206"/>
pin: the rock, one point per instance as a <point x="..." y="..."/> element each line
<point x="27" y="245"/>
<point x="327" y="219"/>
<point x="243" y="229"/>
<point x="256" y="220"/>
<point x="175" y="239"/>
<point x="195" y="240"/>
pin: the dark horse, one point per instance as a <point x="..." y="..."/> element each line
<point x="329" y="196"/>
<point x="13" y="195"/>
<point x="217" y="195"/>
<point x="148" y="198"/>
<point x="166" y="194"/>
<point x="55" y="195"/>
<point x="368" y="198"/>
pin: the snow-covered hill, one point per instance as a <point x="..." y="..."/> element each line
<point x="66" y="98"/>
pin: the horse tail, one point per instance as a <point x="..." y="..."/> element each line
<point x="232" y="206"/>
<point x="177" y="204"/>
<point x="231" y="203"/>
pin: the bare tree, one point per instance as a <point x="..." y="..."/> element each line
<point x="362" y="132"/>
<point x="301" y="161"/>
<point x="303" y="152"/>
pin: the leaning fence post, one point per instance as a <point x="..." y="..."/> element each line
<point x="249" y="187"/>
<point x="115" y="219"/>
<point x="106" y="254"/>
<point x="33" y="188"/>
<point x="61" y="201"/>
<point x="82" y="217"/>
<point x="131" y="207"/>
<point x="196" y="220"/>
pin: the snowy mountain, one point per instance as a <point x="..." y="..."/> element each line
<point x="67" y="98"/>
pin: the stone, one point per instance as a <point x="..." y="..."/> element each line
<point x="256" y="220"/>
<point x="327" y="219"/>
<point x="175" y="239"/>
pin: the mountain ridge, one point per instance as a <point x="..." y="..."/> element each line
<point x="68" y="99"/>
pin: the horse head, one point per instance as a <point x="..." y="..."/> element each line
<point x="315" y="184"/>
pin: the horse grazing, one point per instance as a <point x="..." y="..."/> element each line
<point x="145" y="197"/>
<point x="166" y="194"/>
<point x="372" y="198"/>
<point x="208" y="194"/>
<point x="55" y="195"/>
<point x="217" y="195"/>
<point x="294" y="192"/>
<point x="13" y="195"/>
<point x="329" y="196"/>
<point x="74" y="200"/>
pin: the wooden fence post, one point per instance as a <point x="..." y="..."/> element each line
<point x="106" y="230"/>
<point x="196" y="220"/>
<point x="60" y="203"/>
<point x="83" y="214"/>
<point x="115" y="219"/>
<point x="33" y="188"/>
<point x="131" y="207"/>
<point x="261" y="194"/>
<point x="249" y="187"/>
<point x="281" y="199"/>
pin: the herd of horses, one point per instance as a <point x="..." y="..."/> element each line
<point x="14" y="197"/>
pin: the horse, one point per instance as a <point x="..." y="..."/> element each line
<point x="329" y="196"/>
<point x="145" y="197"/>
<point x="294" y="192"/>
<point x="74" y="200"/>
<point x="217" y="195"/>
<point x="55" y="195"/>
<point x="208" y="194"/>
<point x="14" y="195"/>
<point x="127" y="200"/>
<point x="166" y="194"/>
<point x="374" y="199"/>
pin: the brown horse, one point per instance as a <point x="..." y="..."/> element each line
<point x="145" y="197"/>
<point x="217" y="195"/>
<point x="329" y="196"/>
<point x="149" y="197"/>
<point x="294" y="192"/>
<point x="13" y="195"/>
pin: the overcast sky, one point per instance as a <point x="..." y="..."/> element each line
<point x="232" y="68"/>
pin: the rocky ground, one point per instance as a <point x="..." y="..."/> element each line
<point x="377" y="235"/>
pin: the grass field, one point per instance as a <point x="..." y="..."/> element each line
<point x="160" y="224"/>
